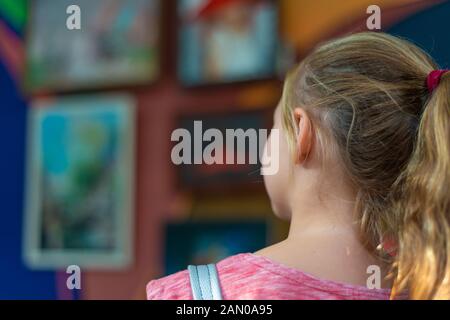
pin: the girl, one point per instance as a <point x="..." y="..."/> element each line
<point x="364" y="180"/>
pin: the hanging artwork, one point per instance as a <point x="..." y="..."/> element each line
<point x="117" y="44"/>
<point x="203" y="242"/>
<point x="227" y="160"/>
<point x="79" y="207"/>
<point x="227" y="40"/>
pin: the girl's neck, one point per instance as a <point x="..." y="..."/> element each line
<point x="323" y="241"/>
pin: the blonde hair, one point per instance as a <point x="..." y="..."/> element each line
<point x="368" y="99"/>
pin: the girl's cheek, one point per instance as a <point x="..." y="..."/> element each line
<point x="277" y="184"/>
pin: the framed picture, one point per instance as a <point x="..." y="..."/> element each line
<point x="116" y="45"/>
<point x="223" y="174"/>
<point x="223" y="41"/>
<point x="206" y="242"/>
<point x="79" y="197"/>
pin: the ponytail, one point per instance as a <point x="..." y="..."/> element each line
<point x="390" y="125"/>
<point x="421" y="201"/>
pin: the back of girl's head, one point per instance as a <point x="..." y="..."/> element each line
<point x="369" y="101"/>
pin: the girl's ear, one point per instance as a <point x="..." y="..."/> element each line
<point x="304" y="135"/>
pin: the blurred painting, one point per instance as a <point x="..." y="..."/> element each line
<point x="80" y="182"/>
<point x="116" y="45"/>
<point x="203" y="242"/>
<point x="227" y="40"/>
<point x="220" y="174"/>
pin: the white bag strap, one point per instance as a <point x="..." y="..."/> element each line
<point x="205" y="282"/>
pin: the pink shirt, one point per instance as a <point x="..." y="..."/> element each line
<point x="248" y="276"/>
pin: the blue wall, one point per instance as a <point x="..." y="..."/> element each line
<point x="16" y="281"/>
<point x="429" y="29"/>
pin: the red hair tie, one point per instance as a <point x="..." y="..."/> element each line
<point x="433" y="79"/>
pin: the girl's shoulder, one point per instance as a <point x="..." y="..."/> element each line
<point x="173" y="287"/>
<point x="177" y="286"/>
<point x="247" y="276"/>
